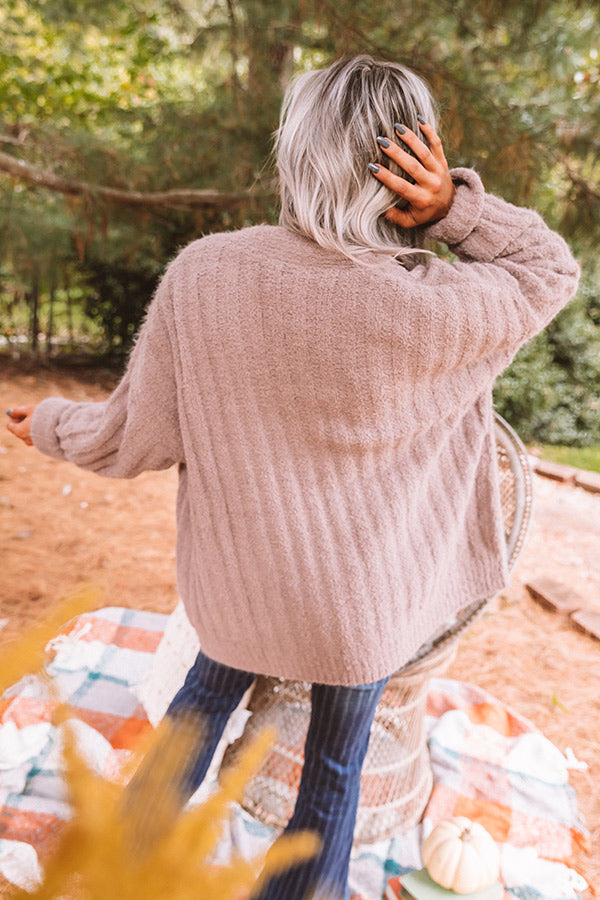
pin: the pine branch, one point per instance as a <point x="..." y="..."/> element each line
<point x="180" y="199"/>
<point x="589" y="190"/>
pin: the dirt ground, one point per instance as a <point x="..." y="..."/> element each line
<point x="61" y="526"/>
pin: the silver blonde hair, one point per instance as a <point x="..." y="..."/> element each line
<point x="330" y="119"/>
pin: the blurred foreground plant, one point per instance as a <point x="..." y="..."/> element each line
<point x="27" y="652"/>
<point x="138" y="844"/>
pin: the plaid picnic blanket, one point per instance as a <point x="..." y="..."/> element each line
<point x="489" y="764"/>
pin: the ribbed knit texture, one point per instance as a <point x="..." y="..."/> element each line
<point x="333" y="426"/>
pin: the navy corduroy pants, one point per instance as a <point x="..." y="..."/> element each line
<point x="334" y="752"/>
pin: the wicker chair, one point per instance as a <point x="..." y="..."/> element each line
<point x="396" y="778"/>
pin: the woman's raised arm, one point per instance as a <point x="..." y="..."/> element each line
<point x="513" y="273"/>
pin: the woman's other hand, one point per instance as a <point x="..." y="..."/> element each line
<point x="20" y="423"/>
<point x="430" y="198"/>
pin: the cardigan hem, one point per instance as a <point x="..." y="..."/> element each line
<point x="486" y="588"/>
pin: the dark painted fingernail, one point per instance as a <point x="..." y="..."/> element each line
<point x="383" y="142"/>
<point x="400" y="128"/>
<point x="373" y="167"/>
<point x="421" y="120"/>
<point x="8" y="412"/>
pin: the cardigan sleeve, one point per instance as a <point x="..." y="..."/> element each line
<point x="137" y="427"/>
<point x="513" y="275"/>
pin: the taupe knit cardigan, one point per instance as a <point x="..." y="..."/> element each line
<point x="333" y="428"/>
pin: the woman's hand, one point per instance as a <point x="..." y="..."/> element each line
<point x="20" y="423"/>
<point x="430" y="198"/>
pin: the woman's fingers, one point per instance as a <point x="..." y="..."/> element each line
<point x="20" y="412"/>
<point x="399" y="185"/>
<point x="432" y="193"/>
<point x="405" y="161"/>
<point x="424" y="155"/>
<point x="19" y="423"/>
<point x="431" y="157"/>
<point x="436" y="148"/>
<point x="20" y="430"/>
<point x="428" y="162"/>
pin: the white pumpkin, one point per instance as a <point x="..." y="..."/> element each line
<point x="461" y="855"/>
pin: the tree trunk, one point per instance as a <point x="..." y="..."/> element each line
<point x="69" y="309"/>
<point x="269" y="46"/>
<point x="34" y="298"/>
<point x="50" y="325"/>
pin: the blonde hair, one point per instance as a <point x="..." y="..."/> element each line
<point x="330" y="119"/>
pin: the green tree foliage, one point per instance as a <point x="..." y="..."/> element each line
<point x="185" y="94"/>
